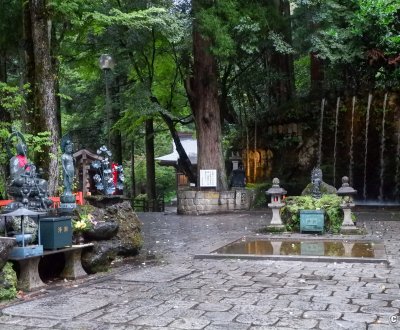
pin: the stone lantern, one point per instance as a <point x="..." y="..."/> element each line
<point x="276" y="193"/>
<point x="347" y="193"/>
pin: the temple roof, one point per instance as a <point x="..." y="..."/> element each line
<point x="190" y="146"/>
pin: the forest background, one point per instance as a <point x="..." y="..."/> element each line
<point x="227" y="71"/>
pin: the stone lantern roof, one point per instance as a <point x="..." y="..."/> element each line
<point x="276" y="189"/>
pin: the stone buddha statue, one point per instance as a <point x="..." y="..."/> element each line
<point x="25" y="185"/>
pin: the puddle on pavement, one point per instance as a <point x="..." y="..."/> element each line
<point x="319" y="248"/>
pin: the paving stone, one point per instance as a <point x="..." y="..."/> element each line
<point x="395" y="303"/>
<point x="288" y="312"/>
<point x="232" y="326"/>
<point x="184" y="313"/>
<point x="212" y="307"/>
<point x="154" y="311"/>
<point x="341" y="324"/>
<point x="273" y="303"/>
<point x="372" y="302"/>
<point x="379" y="310"/>
<point x="62" y="307"/>
<point x="190" y="323"/>
<point x="285" y="290"/>
<point x="12" y="327"/>
<point x="38" y="323"/>
<point x="385" y="296"/>
<point x="161" y="274"/>
<point x="359" y="317"/>
<point x="292" y="297"/>
<point x="74" y="325"/>
<point x="117" y="317"/>
<point x="308" y="306"/>
<point x="382" y="327"/>
<point x="331" y="300"/>
<point x="351" y="294"/>
<point x="159" y="321"/>
<point x="220" y="317"/>
<point x="343" y="308"/>
<point x="315" y="293"/>
<point x="320" y="315"/>
<point x="9" y="319"/>
<point x="257" y="319"/>
<point x="297" y="323"/>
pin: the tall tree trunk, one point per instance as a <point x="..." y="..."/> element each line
<point x="45" y="88"/>
<point x="133" y="178"/>
<point x="282" y="87"/>
<point x="115" y="135"/>
<point x="203" y="95"/>
<point x="28" y="115"/>
<point x="317" y="75"/>
<point x="150" y="165"/>
<point x="5" y="117"/>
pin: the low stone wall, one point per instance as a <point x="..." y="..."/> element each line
<point x="205" y="202"/>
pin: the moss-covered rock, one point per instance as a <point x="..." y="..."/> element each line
<point x="325" y="189"/>
<point x="8" y="282"/>
<point x="126" y="240"/>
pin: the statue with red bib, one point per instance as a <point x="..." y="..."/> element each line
<point x="25" y="184"/>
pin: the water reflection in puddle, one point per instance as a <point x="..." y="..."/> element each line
<point x="327" y="248"/>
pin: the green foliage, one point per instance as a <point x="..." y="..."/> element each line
<point x="8" y="279"/>
<point x="260" y="198"/>
<point x="357" y="37"/>
<point x="329" y="203"/>
<point x="302" y="74"/>
<point x="12" y="98"/>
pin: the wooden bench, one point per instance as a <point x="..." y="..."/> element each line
<point x="29" y="278"/>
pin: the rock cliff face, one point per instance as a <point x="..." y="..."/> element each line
<point x="116" y="232"/>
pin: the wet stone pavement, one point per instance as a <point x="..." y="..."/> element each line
<point x="173" y="290"/>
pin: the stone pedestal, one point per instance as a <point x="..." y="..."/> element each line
<point x="276" y="222"/>
<point x="348" y="226"/>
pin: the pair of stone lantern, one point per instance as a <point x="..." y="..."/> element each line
<point x="347" y="193"/>
<point x="277" y="193"/>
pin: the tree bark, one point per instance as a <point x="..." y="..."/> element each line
<point x="115" y="135"/>
<point x="184" y="161"/>
<point x="150" y="165"/>
<point x="28" y="71"/>
<point x="203" y="95"/>
<point x="133" y="178"/>
<point x="45" y="88"/>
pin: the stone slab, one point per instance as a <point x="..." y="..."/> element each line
<point x="61" y="307"/>
<point x="153" y="275"/>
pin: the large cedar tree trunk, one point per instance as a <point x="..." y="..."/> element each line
<point x="150" y="165"/>
<point x="29" y="118"/>
<point x="45" y="88"/>
<point x="203" y="95"/>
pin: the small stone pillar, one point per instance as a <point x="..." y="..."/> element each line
<point x="347" y="192"/>
<point x="276" y="193"/>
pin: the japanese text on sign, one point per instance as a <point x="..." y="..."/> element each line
<point x="208" y="178"/>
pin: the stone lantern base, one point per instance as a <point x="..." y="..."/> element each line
<point x="348" y="226"/>
<point x="276" y="224"/>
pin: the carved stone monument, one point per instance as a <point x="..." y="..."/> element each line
<point x="67" y="199"/>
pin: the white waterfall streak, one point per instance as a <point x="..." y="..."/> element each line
<point x="382" y="160"/>
<point x="321" y="132"/>
<point x="351" y="156"/>
<point x="335" y="144"/>
<point x="366" y="145"/>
